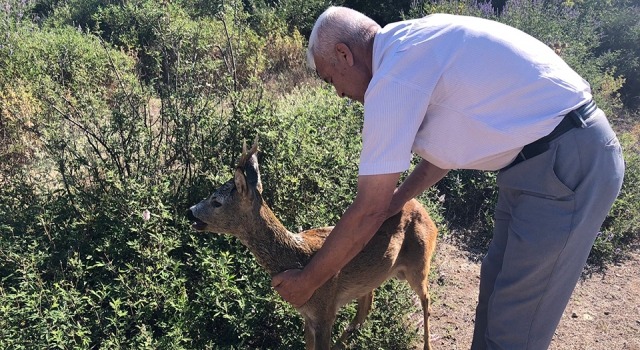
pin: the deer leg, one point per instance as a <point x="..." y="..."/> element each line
<point x="322" y="333"/>
<point x="364" y="307"/>
<point x="424" y="300"/>
<point x="420" y="285"/>
<point x="309" y="335"/>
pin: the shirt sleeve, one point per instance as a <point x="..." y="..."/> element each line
<point x="393" y="113"/>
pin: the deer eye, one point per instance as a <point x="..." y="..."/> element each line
<point x="216" y="204"/>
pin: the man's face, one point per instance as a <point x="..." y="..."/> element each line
<point x="347" y="74"/>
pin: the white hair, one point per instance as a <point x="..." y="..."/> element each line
<point x="339" y="25"/>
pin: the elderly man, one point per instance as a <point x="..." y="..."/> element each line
<point x="469" y="93"/>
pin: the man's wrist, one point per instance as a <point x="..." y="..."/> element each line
<point x="307" y="278"/>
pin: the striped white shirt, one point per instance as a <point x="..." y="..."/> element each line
<point x="462" y="93"/>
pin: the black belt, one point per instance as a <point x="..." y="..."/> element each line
<point x="574" y="119"/>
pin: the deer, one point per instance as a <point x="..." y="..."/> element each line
<point x="401" y="248"/>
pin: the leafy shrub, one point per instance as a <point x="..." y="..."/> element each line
<point x="396" y="313"/>
<point x="620" y="36"/>
<point x="310" y="149"/>
<point x="469" y="198"/>
<point x="17" y="145"/>
<point x="298" y="15"/>
<point x="17" y="104"/>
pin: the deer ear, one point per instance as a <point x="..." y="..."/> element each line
<point x="253" y="173"/>
<point x="241" y="181"/>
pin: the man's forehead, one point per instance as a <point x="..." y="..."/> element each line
<point x="320" y="63"/>
<point x="321" y="70"/>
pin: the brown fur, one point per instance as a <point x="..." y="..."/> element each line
<point x="402" y="247"/>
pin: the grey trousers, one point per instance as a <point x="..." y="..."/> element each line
<point x="550" y="208"/>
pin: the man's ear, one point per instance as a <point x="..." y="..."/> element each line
<point x="343" y="52"/>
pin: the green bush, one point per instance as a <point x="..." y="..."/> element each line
<point x="469" y="198"/>
<point x="620" y="35"/>
<point x="298" y="15"/>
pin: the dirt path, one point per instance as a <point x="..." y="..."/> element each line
<point x="603" y="313"/>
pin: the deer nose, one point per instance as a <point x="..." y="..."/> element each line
<point x="190" y="216"/>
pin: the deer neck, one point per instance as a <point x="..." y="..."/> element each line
<point x="275" y="248"/>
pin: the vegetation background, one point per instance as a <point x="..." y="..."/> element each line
<point x="112" y="108"/>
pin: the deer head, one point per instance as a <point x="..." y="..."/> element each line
<point x="235" y="203"/>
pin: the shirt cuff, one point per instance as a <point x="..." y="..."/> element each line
<point x="383" y="168"/>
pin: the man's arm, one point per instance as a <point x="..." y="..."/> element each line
<point x="422" y="177"/>
<point x="352" y="232"/>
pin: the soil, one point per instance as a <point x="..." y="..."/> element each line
<point x="603" y="312"/>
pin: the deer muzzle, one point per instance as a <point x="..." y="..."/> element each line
<point x="196" y="223"/>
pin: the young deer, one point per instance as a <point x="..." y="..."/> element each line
<point x="402" y="248"/>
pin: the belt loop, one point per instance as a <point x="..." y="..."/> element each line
<point x="583" y="125"/>
<point x="577" y="119"/>
<point x="582" y="113"/>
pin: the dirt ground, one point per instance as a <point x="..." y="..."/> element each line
<point x="603" y="313"/>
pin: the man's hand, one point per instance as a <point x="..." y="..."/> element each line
<point x="291" y="287"/>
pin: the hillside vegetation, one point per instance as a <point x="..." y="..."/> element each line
<point x="110" y="109"/>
